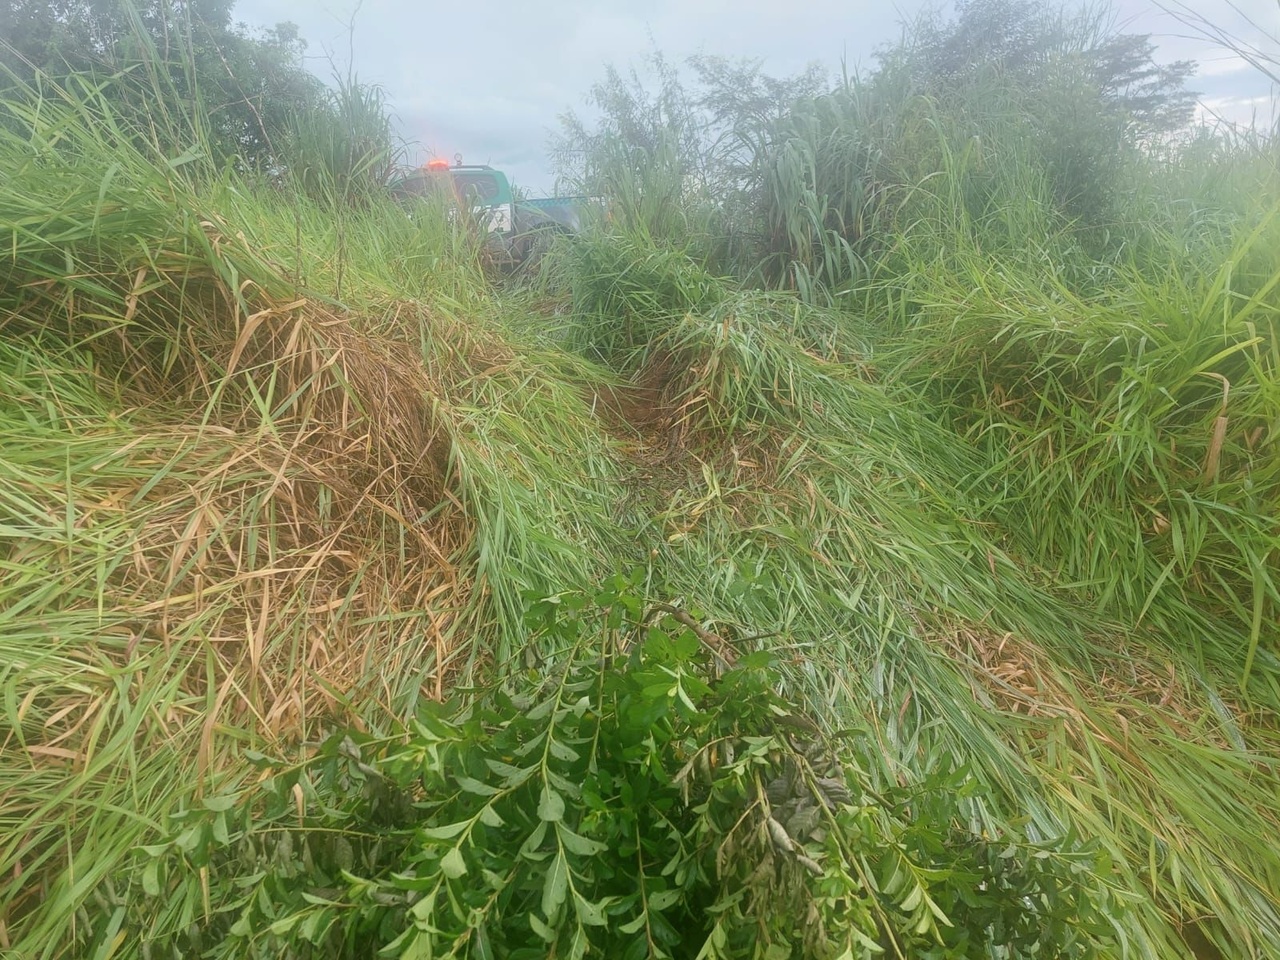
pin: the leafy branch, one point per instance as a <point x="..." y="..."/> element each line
<point x="655" y="806"/>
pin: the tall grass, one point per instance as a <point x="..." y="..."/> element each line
<point x="817" y="496"/>
<point x="1006" y="504"/>
<point x="1026" y="469"/>
<point x="268" y="512"/>
<point x="1143" y="411"/>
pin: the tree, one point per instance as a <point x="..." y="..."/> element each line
<point x="1065" y="86"/>
<point x="1153" y="95"/>
<point x="1033" y="45"/>
<point x="167" y="55"/>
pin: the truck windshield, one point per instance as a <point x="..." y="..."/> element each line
<point x="476" y="186"/>
<point x="419" y="183"/>
<point x="479" y="187"/>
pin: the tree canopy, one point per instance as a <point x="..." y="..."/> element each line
<point x="1034" y="45"/>
<point x="249" y="83"/>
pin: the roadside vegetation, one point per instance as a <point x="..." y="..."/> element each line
<point x="861" y="541"/>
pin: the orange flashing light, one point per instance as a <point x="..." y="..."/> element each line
<point x="439" y="163"/>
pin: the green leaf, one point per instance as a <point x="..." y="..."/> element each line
<point x="282" y="926"/>
<point x="591" y="914"/>
<point x="397" y="947"/>
<point x="530" y="745"/>
<point x="864" y="941"/>
<point x="663" y="899"/>
<point x="151" y="878"/>
<point x="555" y="887"/>
<point x="757" y="660"/>
<point x="684" y="698"/>
<point x="489" y="816"/>
<point x="529" y="849"/>
<point x="480" y="940"/>
<point x="924" y="924"/>
<point x="419" y="947"/>
<point x="452" y="865"/>
<point x="190" y="155"/>
<point x="475" y="786"/>
<point x="631" y="926"/>
<point x="189" y="839"/>
<point x="310" y="930"/>
<point x="446" y="832"/>
<point x="425" y="908"/>
<point x="408" y="881"/>
<point x="550" y="805"/>
<point x="715" y="943"/>
<point x="540" y="928"/>
<point x="512" y="776"/>
<point x="220" y="833"/>
<point x="541" y="710"/>
<point x="563" y="784"/>
<point x="562" y="751"/>
<point x="582" y="846"/>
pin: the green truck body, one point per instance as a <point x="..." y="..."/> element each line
<point x="515" y="222"/>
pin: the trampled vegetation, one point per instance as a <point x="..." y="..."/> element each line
<point x="860" y="542"/>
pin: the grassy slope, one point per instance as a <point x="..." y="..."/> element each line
<point x="230" y="509"/>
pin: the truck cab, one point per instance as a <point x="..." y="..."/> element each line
<point x="487" y="191"/>
<point x="479" y="186"/>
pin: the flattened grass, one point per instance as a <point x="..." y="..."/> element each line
<point x="829" y="496"/>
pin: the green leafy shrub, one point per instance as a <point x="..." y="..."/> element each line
<point x="638" y="799"/>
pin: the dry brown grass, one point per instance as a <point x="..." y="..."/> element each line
<point x="283" y="560"/>
<point x="1127" y="691"/>
<point x="237" y="571"/>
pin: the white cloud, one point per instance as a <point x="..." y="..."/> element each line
<point x="1258" y="111"/>
<point x="1214" y="63"/>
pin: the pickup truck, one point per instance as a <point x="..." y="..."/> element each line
<point x="517" y="223"/>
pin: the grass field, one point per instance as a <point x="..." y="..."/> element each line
<point x="1002" y="502"/>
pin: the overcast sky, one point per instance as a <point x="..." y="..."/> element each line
<point x="489" y="78"/>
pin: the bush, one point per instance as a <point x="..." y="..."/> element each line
<point x="642" y="798"/>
